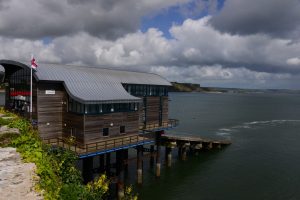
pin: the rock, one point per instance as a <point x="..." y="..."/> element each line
<point x="6" y="129"/>
<point x="16" y="177"/>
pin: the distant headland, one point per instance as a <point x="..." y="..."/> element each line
<point x="192" y="87"/>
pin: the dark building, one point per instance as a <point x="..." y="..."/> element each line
<point x="90" y="104"/>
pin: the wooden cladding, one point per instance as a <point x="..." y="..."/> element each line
<point x="73" y="125"/>
<point x="154" y="110"/>
<point x="50" y="109"/>
<point x="94" y="125"/>
<point x="54" y="119"/>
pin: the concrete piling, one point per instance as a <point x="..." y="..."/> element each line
<point x="168" y="156"/>
<point x="87" y="169"/>
<point x="139" y="165"/>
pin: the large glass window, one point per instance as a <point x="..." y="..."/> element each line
<point x="146" y="90"/>
<point x="19" y="90"/>
<point x="76" y="107"/>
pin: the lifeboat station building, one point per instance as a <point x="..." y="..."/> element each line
<point x="102" y="110"/>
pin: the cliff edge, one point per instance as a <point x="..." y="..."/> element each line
<point x="16" y="177"/>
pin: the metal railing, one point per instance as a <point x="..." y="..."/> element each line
<point x="171" y="123"/>
<point x="101" y="145"/>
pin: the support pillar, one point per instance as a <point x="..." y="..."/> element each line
<point x="158" y="143"/>
<point x="168" y="156"/>
<point x="151" y="155"/>
<point x="184" y="152"/>
<point x="210" y="145"/>
<point x="125" y="159"/>
<point x="87" y="169"/>
<point x="101" y="163"/>
<point x="179" y="152"/>
<point x="139" y="165"/>
<point x="158" y="161"/>
<point x="107" y="164"/>
<point x="120" y="173"/>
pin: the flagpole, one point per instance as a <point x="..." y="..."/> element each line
<point x="30" y="91"/>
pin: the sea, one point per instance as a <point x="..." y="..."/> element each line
<point x="262" y="163"/>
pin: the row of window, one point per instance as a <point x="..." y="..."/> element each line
<point x="105" y="131"/>
<point x="146" y="90"/>
<point x="76" y="107"/>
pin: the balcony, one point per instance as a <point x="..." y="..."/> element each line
<point x="102" y="146"/>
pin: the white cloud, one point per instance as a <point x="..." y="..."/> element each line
<point x="101" y="18"/>
<point x="230" y="77"/>
<point x="293" y="61"/>
<point x="197" y="53"/>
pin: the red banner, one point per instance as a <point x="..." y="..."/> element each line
<point x="19" y="93"/>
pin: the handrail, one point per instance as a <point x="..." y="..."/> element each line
<point x="100" y="145"/>
<point x="171" y="123"/>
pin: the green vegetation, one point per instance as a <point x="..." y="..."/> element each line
<point x="185" y="87"/>
<point x="58" y="177"/>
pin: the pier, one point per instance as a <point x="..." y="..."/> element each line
<point x="111" y="156"/>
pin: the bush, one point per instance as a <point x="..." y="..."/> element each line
<point x="55" y="166"/>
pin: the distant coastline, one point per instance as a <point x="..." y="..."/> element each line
<point x="191" y="87"/>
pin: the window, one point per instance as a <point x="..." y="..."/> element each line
<point x="105" y="131"/>
<point x="122" y="129"/>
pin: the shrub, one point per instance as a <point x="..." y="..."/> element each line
<point x="55" y="166"/>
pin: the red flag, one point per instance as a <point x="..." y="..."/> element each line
<point x="33" y="64"/>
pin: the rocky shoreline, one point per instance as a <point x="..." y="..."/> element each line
<point x="17" y="179"/>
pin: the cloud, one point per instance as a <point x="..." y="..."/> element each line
<point x="104" y="19"/>
<point x="216" y="75"/>
<point x="197" y="42"/>
<point x="197" y="53"/>
<point x="293" y="61"/>
<point x="278" y="18"/>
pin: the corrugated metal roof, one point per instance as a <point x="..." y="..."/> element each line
<point x="94" y="85"/>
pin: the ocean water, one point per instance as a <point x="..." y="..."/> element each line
<point x="263" y="161"/>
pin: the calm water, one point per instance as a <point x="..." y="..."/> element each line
<point x="262" y="163"/>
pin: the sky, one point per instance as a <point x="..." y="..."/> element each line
<point x="220" y="43"/>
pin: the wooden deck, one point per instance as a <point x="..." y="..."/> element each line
<point x="193" y="141"/>
<point x="102" y="146"/>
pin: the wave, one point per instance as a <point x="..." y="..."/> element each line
<point x="225" y="129"/>
<point x="222" y="133"/>
<point x="272" y="121"/>
<point x="254" y="124"/>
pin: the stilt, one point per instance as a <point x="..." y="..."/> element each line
<point x="120" y="186"/>
<point x="168" y="156"/>
<point x="107" y="164"/>
<point x="119" y="161"/>
<point x="120" y="173"/>
<point x="125" y="159"/>
<point x="158" y="143"/>
<point x="101" y="163"/>
<point x="179" y="152"/>
<point x="87" y="169"/>
<point x="139" y="165"/>
<point x="210" y="145"/>
<point x="151" y="155"/>
<point x="183" y="155"/>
